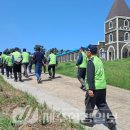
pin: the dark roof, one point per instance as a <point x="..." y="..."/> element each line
<point x="119" y="8"/>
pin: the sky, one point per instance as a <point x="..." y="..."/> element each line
<point x="64" y="24"/>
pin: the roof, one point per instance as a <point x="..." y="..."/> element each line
<point x="69" y="52"/>
<point x="119" y="8"/>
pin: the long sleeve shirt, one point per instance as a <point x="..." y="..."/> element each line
<point x="80" y="60"/>
<point x="91" y="75"/>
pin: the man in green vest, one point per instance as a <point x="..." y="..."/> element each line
<point x="82" y="65"/>
<point x="96" y="90"/>
<point x="25" y="62"/>
<point x="9" y="65"/>
<point x="17" y="60"/>
<point x="3" y="56"/>
<point x="52" y="62"/>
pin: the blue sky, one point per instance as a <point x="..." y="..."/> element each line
<point x="64" y="24"/>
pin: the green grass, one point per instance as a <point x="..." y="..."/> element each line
<point x="117" y="72"/>
<point x="5" y="123"/>
<point x="10" y="97"/>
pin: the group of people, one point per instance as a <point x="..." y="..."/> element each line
<point x="13" y="61"/>
<point x="90" y="74"/>
<point x="92" y="78"/>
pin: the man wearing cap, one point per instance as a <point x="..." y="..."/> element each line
<point x="82" y="65"/>
<point x="25" y="62"/>
<point x="96" y="89"/>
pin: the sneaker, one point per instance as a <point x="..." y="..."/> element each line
<point x="87" y="122"/>
<point x="83" y="88"/>
<point x="15" y="80"/>
<point x="39" y="81"/>
<point x="20" y="80"/>
<point x="50" y="77"/>
<point x="111" y="123"/>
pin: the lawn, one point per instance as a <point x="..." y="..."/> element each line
<point x="117" y="72"/>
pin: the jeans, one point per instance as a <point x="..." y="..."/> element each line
<point x="38" y="71"/>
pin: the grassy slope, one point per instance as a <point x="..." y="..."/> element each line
<point x="11" y="98"/>
<point x="117" y="72"/>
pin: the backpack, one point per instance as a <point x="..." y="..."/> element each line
<point x="19" y="60"/>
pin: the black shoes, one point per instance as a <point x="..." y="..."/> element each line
<point x="110" y="122"/>
<point x="39" y="81"/>
<point x="87" y="122"/>
<point x="83" y="88"/>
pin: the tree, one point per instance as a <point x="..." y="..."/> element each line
<point x="42" y="49"/>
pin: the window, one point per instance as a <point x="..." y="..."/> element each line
<point x="111" y="37"/>
<point x="126" y="23"/>
<point x="126" y="36"/>
<point x="110" y="24"/>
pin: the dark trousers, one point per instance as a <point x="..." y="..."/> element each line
<point x="2" y="69"/>
<point x="51" y="70"/>
<point x="9" y="70"/>
<point x="81" y="75"/>
<point x="44" y="68"/>
<point x="25" y="66"/>
<point x="17" y="70"/>
<point x="99" y="100"/>
<point x="30" y="67"/>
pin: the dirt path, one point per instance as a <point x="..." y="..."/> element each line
<point x="65" y="96"/>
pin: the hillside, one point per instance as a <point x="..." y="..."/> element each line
<point x="117" y="72"/>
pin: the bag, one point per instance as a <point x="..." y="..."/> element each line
<point x="19" y="60"/>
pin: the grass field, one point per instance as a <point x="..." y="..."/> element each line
<point x="11" y="99"/>
<point x="117" y="72"/>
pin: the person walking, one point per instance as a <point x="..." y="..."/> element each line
<point x="38" y="60"/>
<point x="3" y="56"/>
<point x="52" y="62"/>
<point x="25" y="62"/>
<point x="17" y="62"/>
<point x="9" y="65"/>
<point x="96" y="90"/>
<point x="82" y="65"/>
<point x="30" y="63"/>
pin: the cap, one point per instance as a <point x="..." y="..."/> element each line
<point x="82" y="48"/>
<point x="24" y="49"/>
<point x="92" y="48"/>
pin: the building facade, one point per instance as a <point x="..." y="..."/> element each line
<point x="116" y="44"/>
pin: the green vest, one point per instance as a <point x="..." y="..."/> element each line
<point x="25" y="56"/>
<point x="84" y="62"/>
<point x="52" y="59"/>
<point x="16" y="55"/>
<point x="100" y="81"/>
<point x="3" y="56"/>
<point x="9" y="61"/>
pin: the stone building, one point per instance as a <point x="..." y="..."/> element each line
<point x="116" y="44"/>
<point x="117" y="33"/>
